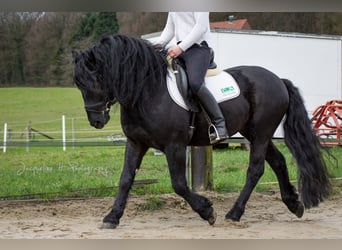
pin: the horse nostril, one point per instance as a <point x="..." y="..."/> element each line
<point x="97" y="124"/>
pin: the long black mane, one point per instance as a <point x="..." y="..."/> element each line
<point x="129" y="68"/>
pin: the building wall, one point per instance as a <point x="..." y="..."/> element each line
<point x="312" y="63"/>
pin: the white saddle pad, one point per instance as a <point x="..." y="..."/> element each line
<point x="223" y="87"/>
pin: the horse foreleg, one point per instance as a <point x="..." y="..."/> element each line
<point x="176" y="158"/>
<point x="255" y="171"/>
<point x="133" y="157"/>
<point x="287" y="190"/>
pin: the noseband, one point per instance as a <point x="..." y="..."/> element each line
<point x="94" y="107"/>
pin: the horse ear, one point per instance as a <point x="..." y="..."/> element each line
<point x="75" y="55"/>
<point x="91" y="60"/>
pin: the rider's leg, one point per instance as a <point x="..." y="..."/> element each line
<point x="197" y="59"/>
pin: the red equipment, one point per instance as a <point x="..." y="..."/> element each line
<point x="327" y="122"/>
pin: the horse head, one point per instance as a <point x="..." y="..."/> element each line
<point x="89" y="81"/>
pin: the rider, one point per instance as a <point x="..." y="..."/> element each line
<point x="192" y="33"/>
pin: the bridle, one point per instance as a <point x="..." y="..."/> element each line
<point x="94" y="108"/>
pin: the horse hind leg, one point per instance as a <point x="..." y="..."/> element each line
<point x="288" y="192"/>
<point x="176" y="158"/>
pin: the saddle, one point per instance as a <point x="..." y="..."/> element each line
<point x="178" y="67"/>
<point x="221" y="84"/>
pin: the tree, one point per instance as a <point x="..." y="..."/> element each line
<point x="106" y="23"/>
<point x="35" y="47"/>
<point x="48" y="52"/>
<point x="14" y="28"/>
<point x="85" y="27"/>
<point x="140" y="23"/>
<point x="94" y="25"/>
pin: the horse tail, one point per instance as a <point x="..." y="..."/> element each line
<point x="313" y="184"/>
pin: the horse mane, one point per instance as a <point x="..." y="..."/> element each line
<point x="128" y="68"/>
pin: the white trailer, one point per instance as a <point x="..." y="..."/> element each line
<point x="312" y="62"/>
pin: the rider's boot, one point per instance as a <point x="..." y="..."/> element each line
<point x="217" y="130"/>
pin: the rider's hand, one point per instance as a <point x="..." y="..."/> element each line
<point x="174" y="51"/>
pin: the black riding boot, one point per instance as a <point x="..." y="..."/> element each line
<point x="217" y="129"/>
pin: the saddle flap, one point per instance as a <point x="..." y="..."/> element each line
<point x="223" y="87"/>
<point x="183" y="87"/>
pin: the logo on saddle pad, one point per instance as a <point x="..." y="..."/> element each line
<point x="223" y="87"/>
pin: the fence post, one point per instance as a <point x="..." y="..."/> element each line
<point x="5" y="138"/>
<point x="28" y="135"/>
<point x="201" y="168"/>
<point x="63" y="133"/>
<point x="73" y="132"/>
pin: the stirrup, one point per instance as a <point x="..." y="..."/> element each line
<point x="214" y="137"/>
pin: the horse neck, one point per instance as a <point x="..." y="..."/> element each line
<point x="139" y="84"/>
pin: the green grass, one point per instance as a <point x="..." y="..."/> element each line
<point x="54" y="173"/>
<point x="49" y="170"/>
<point x="44" y="107"/>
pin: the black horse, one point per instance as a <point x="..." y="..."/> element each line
<point x="131" y="72"/>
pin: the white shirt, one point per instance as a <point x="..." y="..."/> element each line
<point x="187" y="27"/>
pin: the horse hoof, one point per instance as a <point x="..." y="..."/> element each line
<point x="232" y="217"/>
<point x="107" y="225"/>
<point x="300" y="210"/>
<point x="212" y="218"/>
<point x="236" y="224"/>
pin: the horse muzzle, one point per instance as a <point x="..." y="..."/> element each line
<point x="98" y="121"/>
<point x="97" y="124"/>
